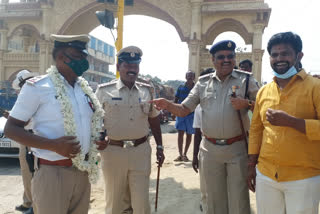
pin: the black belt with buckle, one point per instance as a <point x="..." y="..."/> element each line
<point x="123" y="143"/>
<point x="223" y="142"/>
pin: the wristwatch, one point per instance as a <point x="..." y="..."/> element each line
<point x="160" y="147"/>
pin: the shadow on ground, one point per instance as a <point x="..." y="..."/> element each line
<point x="174" y="200"/>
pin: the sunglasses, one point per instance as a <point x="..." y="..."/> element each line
<point x="222" y="57"/>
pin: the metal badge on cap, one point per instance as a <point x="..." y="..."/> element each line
<point x="132" y="54"/>
<point x="229" y="45"/>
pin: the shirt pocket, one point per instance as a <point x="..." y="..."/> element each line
<point x="208" y="100"/>
<point x="145" y="107"/>
<point x="54" y="105"/>
<point x="112" y="112"/>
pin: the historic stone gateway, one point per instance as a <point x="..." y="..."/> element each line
<point x="25" y="27"/>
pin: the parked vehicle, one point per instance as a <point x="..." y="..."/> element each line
<point x="8" y="147"/>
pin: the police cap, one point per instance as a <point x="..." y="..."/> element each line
<point x="223" y="45"/>
<point x="130" y="54"/>
<point x="20" y="79"/>
<point x="74" y="41"/>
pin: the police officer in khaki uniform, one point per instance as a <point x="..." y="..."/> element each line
<point x="126" y="162"/>
<point x="223" y="152"/>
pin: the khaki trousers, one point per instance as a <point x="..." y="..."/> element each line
<point x="26" y="177"/>
<point x="60" y="190"/>
<point x="126" y="173"/>
<point x="203" y="199"/>
<point x="224" y="172"/>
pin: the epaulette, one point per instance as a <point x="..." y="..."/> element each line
<point x="206" y="76"/>
<point x="35" y="79"/>
<point x="243" y="72"/>
<point x="143" y="84"/>
<point x="112" y="82"/>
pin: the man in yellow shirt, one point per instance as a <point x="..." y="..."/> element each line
<point x="284" y="137"/>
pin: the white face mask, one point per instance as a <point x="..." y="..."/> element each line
<point x="291" y="72"/>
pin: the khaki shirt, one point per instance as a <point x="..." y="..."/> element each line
<point x="126" y="110"/>
<point x="219" y="119"/>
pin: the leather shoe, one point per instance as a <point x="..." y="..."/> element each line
<point x="29" y="211"/>
<point x="22" y="208"/>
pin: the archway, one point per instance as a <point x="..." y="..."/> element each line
<point x="86" y="18"/>
<point x="158" y="58"/>
<point x="197" y="22"/>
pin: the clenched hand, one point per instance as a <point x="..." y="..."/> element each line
<point x="278" y="117"/>
<point x="66" y="146"/>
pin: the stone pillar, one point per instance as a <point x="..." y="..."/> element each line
<point x="257" y="63"/>
<point x="195" y="37"/>
<point x="257" y="50"/>
<point x="196" y="21"/>
<point x="26" y="44"/>
<point x="45" y="57"/>
<point x="4" y="39"/>
<point x="257" y="36"/>
<point x="3" y="49"/>
<point x="2" y="71"/>
<point x="194" y="56"/>
<point x="45" y="20"/>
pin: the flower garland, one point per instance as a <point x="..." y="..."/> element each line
<point x="89" y="164"/>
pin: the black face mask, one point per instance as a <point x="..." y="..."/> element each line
<point x="77" y="66"/>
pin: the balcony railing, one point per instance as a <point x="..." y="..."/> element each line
<point x="21" y="57"/>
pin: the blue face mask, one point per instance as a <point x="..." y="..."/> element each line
<point x="291" y="72"/>
<point x="77" y="66"/>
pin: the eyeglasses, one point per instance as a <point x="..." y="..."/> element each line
<point x="222" y="57"/>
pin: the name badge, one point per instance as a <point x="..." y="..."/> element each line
<point x="116" y="98"/>
<point x="90" y="102"/>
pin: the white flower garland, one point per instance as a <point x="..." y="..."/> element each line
<point x="90" y="165"/>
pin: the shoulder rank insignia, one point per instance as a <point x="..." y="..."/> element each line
<point x="243" y="72"/>
<point x="112" y="82"/>
<point x="143" y="84"/>
<point x="35" y="79"/>
<point x="206" y="76"/>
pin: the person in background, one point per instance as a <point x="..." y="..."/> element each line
<point x="26" y="206"/>
<point x="246" y="65"/>
<point x="284" y="141"/>
<point x="184" y="124"/>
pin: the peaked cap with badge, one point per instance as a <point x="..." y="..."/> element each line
<point x="223" y="45"/>
<point x="74" y="41"/>
<point x="130" y="54"/>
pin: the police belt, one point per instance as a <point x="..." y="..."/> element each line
<point x="223" y="142"/>
<point x="128" y="143"/>
<point x="63" y="162"/>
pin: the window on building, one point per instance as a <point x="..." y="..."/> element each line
<point x="93" y="43"/>
<point x="111" y="51"/>
<point x="100" y="46"/>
